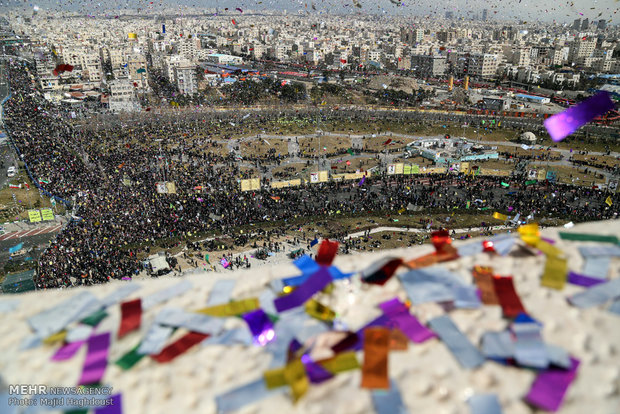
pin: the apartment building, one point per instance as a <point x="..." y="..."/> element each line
<point x="185" y="76"/>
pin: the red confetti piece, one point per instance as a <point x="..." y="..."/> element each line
<point x="131" y="316"/>
<point x="179" y="347"/>
<point x="487" y="246"/>
<point x="327" y="252"/>
<point x="508" y="298"/>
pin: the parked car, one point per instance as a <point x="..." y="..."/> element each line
<point x="11" y="172"/>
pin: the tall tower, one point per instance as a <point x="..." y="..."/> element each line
<point x="484" y="14"/>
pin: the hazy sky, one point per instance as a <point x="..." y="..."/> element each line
<point x="527" y="10"/>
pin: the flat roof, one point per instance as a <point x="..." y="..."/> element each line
<point x="538" y="98"/>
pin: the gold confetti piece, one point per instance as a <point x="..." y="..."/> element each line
<point x="295" y="377"/>
<point x="319" y="311"/>
<point x="232" y="309"/>
<point x="274" y="378"/>
<point x="548" y="249"/>
<point x="342" y="362"/>
<point x="554" y="275"/>
<point x="529" y="234"/>
<point x="57" y="337"/>
<point x="500" y="216"/>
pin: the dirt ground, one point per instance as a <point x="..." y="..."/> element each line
<point x="261" y="148"/>
<point x="376" y="143"/>
<point x="332" y="143"/>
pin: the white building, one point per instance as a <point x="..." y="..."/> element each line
<point x="223" y="59"/>
<point x="123" y="96"/>
<point x="186" y="79"/>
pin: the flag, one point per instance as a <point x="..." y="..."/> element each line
<point x="388" y="141"/>
<point x="350" y="151"/>
<point x="361" y="183"/>
<point x="207" y="258"/>
<point x="163" y="28"/>
<point x="132" y="36"/>
<point x="224" y="262"/>
<point x="16" y="248"/>
<point x="314" y="242"/>
<point x="608" y="201"/>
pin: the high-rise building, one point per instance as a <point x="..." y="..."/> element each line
<point x="484" y="14"/>
<point x="449" y="15"/>
<point x="428" y="65"/>
<point x="602" y="24"/>
<point x="585" y="24"/>
<point x="581" y="49"/>
<point x="577" y="24"/>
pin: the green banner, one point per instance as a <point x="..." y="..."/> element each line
<point x="530" y="182"/>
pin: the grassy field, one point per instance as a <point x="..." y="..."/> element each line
<point x="598" y="159"/>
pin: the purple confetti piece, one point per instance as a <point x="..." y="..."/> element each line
<point x="550" y="386"/>
<point x="583" y="280"/>
<point x="565" y="123"/>
<point x="299" y="296"/>
<point x="67" y="351"/>
<point x="261" y="327"/>
<point x="406" y="322"/>
<point x="316" y="373"/>
<point x="96" y="359"/>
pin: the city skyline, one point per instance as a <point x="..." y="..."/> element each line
<point x="511" y="10"/>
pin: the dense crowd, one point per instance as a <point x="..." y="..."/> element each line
<point x="110" y="175"/>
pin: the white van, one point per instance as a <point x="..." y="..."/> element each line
<point x="11" y="172"/>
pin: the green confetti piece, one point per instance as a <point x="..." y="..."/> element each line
<point x="589" y="237"/>
<point x="95" y="318"/>
<point x="273" y="318"/>
<point x="130" y="359"/>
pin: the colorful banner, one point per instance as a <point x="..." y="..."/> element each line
<point x="171" y="187"/>
<point x="251" y="184"/>
<point x="34" y="216"/>
<point x="47" y="214"/>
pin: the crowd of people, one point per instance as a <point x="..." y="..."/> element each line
<point x="110" y="177"/>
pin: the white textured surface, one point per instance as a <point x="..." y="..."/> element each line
<point x="430" y="379"/>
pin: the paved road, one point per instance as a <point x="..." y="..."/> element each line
<point x="39" y="242"/>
